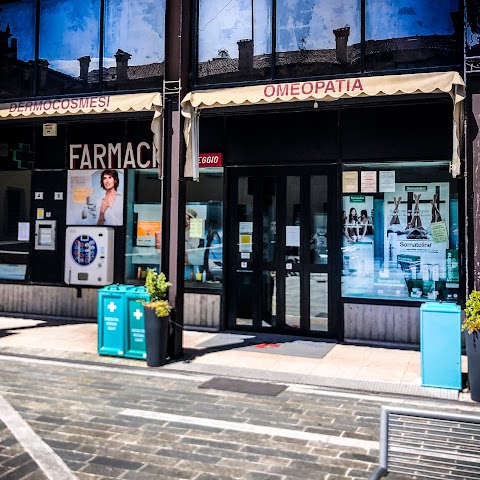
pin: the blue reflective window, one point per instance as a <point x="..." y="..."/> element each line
<point x="134" y="51"/>
<point x="69" y="46"/>
<point x="17" y="48"/>
<point x="234" y="40"/>
<point x="317" y="37"/>
<point x="405" y="35"/>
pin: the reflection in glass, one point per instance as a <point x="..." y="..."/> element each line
<point x="134" y="50"/>
<point x="144" y="215"/>
<point x="15" y="191"/>
<point x="318" y="220"/>
<point x="472" y="30"/>
<point x="204" y="254"/>
<point x="292" y="222"/>
<point x="269" y="312"/>
<point x="17" y="51"/>
<point x="69" y="46"/>
<point x="244" y="261"/>
<point x="317" y="36"/>
<point x="292" y="299"/>
<point x="319" y="302"/>
<point x="228" y="49"/>
<point x="420" y="34"/>
<point x="269" y="222"/>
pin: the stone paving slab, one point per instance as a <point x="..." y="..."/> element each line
<point x="15" y="462"/>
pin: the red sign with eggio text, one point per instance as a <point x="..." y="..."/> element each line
<point x="207" y="160"/>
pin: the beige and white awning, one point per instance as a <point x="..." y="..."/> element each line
<point x="100" y="104"/>
<point x="322" y="90"/>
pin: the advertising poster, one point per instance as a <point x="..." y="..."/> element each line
<point x="416" y="240"/>
<point x="148" y="233"/>
<point x="95" y="197"/>
<point x="357" y="250"/>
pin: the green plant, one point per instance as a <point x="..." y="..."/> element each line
<point x="471" y="322"/>
<point x="157" y="285"/>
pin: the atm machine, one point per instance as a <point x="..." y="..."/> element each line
<point x="89" y="256"/>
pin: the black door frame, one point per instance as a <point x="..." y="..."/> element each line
<point x="334" y="233"/>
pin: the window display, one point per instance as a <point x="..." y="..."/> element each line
<point x="204" y="230"/>
<point x="402" y="242"/>
<point x="143" y="224"/>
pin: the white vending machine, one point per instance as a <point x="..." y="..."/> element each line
<point x="89" y="256"/>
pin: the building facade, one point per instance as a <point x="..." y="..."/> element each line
<point x="294" y="167"/>
<point x="341" y="183"/>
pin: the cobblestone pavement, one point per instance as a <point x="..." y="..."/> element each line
<point x="15" y="462"/>
<point x="129" y="423"/>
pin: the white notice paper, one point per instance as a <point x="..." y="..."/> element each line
<point x="245" y="227"/>
<point x="292" y="236"/>
<point x="387" y="181"/>
<point x="368" y="182"/>
<point x="350" y="182"/>
<point x="23" y="231"/>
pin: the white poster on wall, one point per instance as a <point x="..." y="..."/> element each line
<point x="386" y="181"/>
<point x="368" y="181"/>
<point x="95" y="197"/>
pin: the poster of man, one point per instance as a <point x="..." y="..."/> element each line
<point x="95" y="197"/>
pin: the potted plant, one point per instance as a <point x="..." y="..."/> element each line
<point x="157" y="318"/>
<point x="471" y="327"/>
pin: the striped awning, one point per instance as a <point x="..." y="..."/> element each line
<point x="323" y="90"/>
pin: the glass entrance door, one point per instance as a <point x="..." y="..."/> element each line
<point x="281" y="239"/>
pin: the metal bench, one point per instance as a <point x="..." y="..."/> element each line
<point x="428" y="444"/>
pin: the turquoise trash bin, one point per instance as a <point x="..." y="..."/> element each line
<point x="441" y="345"/>
<point x="121" y="321"/>
<point x="135" y="346"/>
<point x="111" y="320"/>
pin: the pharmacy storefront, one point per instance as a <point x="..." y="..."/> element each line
<point x="343" y="199"/>
<point x="80" y="182"/>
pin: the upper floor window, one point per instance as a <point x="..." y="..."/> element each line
<point x="406" y="36"/>
<point x="17" y="48"/>
<point x="247" y="40"/>
<point x="70" y="35"/>
<point x="69" y="45"/>
<point x="234" y="42"/>
<point x="134" y="48"/>
<point x="317" y="37"/>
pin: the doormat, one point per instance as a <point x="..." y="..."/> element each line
<point x="224" y="340"/>
<point x="244" y="386"/>
<point x="297" y="348"/>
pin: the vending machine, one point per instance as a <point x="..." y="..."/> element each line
<point x="89" y="256"/>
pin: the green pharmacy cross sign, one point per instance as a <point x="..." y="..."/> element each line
<point x="22" y="156"/>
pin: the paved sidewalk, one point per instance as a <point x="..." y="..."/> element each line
<point x="259" y="357"/>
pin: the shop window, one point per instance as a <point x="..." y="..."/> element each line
<point x="134" y="50"/>
<point x="317" y="37"/>
<point x="16" y="163"/>
<point x="204" y="230"/>
<point x="400" y="232"/>
<point x="14" y="224"/>
<point x="143" y="224"/>
<point x="234" y="42"/>
<point x="17" y="52"/>
<point x="69" y="47"/>
<point x="417" y="35"/>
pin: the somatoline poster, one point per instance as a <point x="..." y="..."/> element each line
<point x="412" y="212"/>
